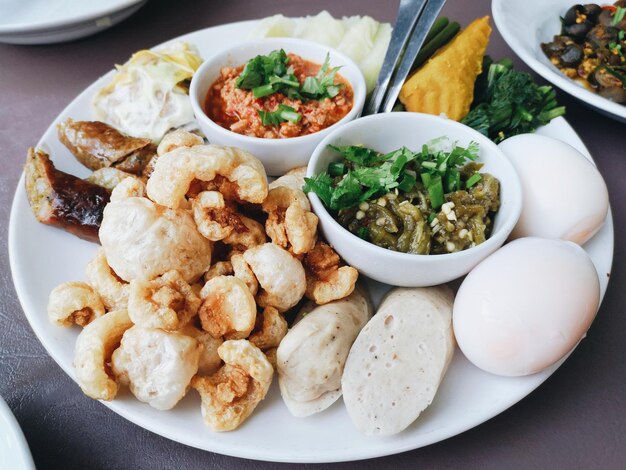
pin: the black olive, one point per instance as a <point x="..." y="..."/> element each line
<point x="592" y="10"/>
<point x="571" y="56"/>
<point x="572" y="14"/>
<point x="578" y="31"/>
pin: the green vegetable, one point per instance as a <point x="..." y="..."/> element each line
<point x="368" y="174"/>
<point x="472" y="180"/>
<point x="432" y="45"/>
<point x="618" y="16"/>
<point x="508" y="103"/>
<point x="269" y="74"/>
<point x="282" y="114"/>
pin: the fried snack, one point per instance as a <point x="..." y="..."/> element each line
<point x="326" y="280"/>
<point x="272" y="330"/>
<point x="228" y="308"/>
<point x="142" y="241"/>
<point x="178" y="138"/>
<point x="445" y="84"/>
<point x="157" y="365"/>
<point x="112" y="290"/>
<point x="128" y="187"/>
<point x="167" y="302"/>
<point x="215" y="218"/>
<point x="251" y="234"/>
<point x="62" y="200"/>
<point x="209" y="360"/>
<point x="175" y="171"/>
<point x="74" y="303"/>
<point x="231" y="394"/>
<point x="293" y="179"/>
<point x="290" y="222"/>
<point x="242" y="270"/>
<point x="92" y="353"/>
<point x="271" y="356"/>
<point x="98" y="145"/>
<point x="109" y="177"/>
<point x="221" y="268"/>
<point x="280" y="275"/>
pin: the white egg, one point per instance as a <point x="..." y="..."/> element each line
<point x="564" y="195"/>
<point x="526" y="306"/>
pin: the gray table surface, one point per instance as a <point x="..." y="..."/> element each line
<point x="576" y="419"/>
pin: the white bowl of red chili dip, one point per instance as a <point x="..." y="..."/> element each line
<point x="279" y="114"/>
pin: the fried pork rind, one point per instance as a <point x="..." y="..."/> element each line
<point x="242" y="174"/>
<point x="128" y="187"/>
<point x="273" y="329"/>
<point x="290" y="222"/>
<point x="280" y="275"/>
<point x="326" y="280"/>
<point x="178" y="138"/>
<point x="215" y="218"/>
<point x="311" y="357"/>
<point x="74" y="303"/>
<point x="242" y="270"/>
<point x="251" y="234"/>
<point x="167" y="302"/>
<point x="445" y="84"/>
<point x="221" y="268"/>
<point x="157" y="365"/>
<point x="231" y="394"/>
<point x="228" y="308"/>
<point x="293" y="179"/>
<point x="94" y="346"/>
<point x="109" y="177"/>
<point x="209" y="360"/>
<point x="98" y="145"/>
<point x="112" y="290"/>
<point x="142" y="241"/>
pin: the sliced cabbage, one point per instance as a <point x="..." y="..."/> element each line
<point x="361" y="38"/>
<point x="148" y="95"/>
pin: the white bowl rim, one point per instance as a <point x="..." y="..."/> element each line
<point x="514" y="186"/>
<point x="358" y="89"/>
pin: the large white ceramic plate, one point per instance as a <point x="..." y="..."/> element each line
<point x="14" y="452"/>
<point x="46" y="21"/>
<point x="524" y="25"/>
<point x="42" y="257"/>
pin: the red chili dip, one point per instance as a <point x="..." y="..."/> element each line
<point x="236" y="109"/>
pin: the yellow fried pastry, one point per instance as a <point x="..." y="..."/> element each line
<point x="445" y="84"/>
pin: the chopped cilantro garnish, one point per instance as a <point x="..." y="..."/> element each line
<point x="366" y="173"/>
<point x="282" y="114"/>
<point x="269" y="74"/>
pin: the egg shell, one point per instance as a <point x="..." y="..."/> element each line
<point x="526" y="306"/>
<point x="564" y="195"/>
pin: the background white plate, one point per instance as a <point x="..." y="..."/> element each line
<point x="42" y="257"/>
<point x="524" y="25"/>
<point x="14" y="451"/>
<point x="51" y="21"/>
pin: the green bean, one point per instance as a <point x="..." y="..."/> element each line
<point x="441" y="39"/>
<point x="437" y="26"/>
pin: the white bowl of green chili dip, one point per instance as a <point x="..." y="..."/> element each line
<point x="276" y="98"/>
<point x="412" y="199"/>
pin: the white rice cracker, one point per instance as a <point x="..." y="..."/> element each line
<point x="398" y="360"/>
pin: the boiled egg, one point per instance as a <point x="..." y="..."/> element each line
<point x="526" y="306"/>
<point x="564" y="195"/>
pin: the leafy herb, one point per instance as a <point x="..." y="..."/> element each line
<point x="269" y="74"/>
<point x="365" y="173"/>
<point x="508" y="103"/>
<point x="282" y="114"/>
<point x="618" y="16"/>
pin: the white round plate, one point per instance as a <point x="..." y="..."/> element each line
<point x="14" y="451"/>
<point x="525" y="25"/>
<point x="42" y="257"/>
<point x="47" y="22"/>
